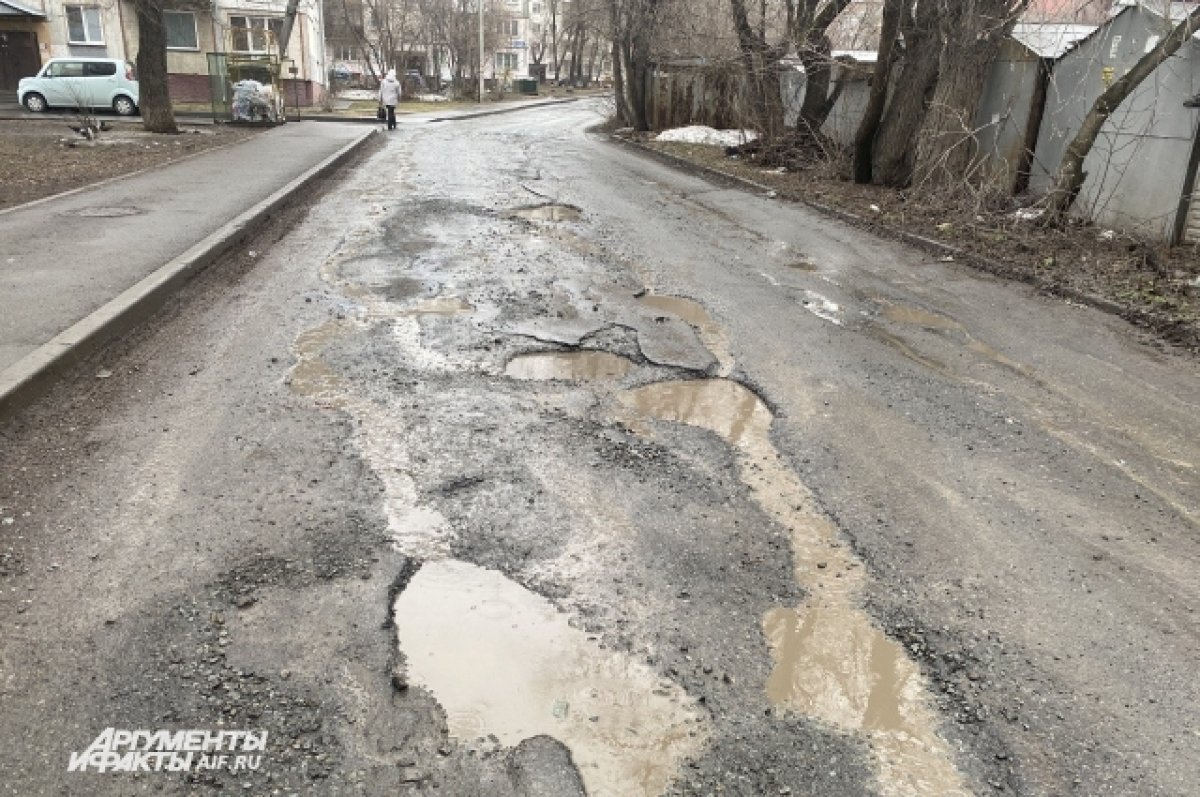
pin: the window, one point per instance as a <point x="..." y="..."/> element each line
<point x="181" y="30"/>
<point x="506" y="61"/>
<point x="99" y="69"/>
<point x="344" y="52"/>
<point x="83" y="25"/>
<point x="255" y="34"/>
<point x="66" y="69"/>
<point x="512" y="28"/>
<point x="535" y="28"/>
<point x="535" y="8"/>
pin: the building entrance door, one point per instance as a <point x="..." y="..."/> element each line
<point x="18" y="57"/>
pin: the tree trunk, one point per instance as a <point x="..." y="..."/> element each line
<point x="815" y="53"/>
<point x="971" y="33"/>
<point x="761" y="65"/>
<point x="154" y="95"/>
<point x="904" y="114"/>
<point x="618" y="57"/>
<point x="1070" y="176"/>
<point x="864" y="137"/>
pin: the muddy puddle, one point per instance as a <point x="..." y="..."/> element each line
<point x="570" y="366"/>
<point x="690" y="311"/>
<point x="830" y="661"/>
<point x="549" y="212"/>
<point x="719" y="405"/>
<point x="915" y="316"/>
<point x="502" y="660"/>
<point x="926" y="319"/>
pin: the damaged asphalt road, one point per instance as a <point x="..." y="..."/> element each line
<point x="518" y="464"/>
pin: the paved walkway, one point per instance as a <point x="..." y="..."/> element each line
<point x="66" y="259"/>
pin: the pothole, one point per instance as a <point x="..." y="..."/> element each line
<point x="572" y="366"/>
<point x="803" y="265"/>
<point x="719" y="405"/>
<point x="439" y="305"/>
<point x="502" y="660"/>
<point x="903" y="314"/>
<point x="690" y="311"/>
<point x="549" y="212"/>
<point x="108" y="212"/>
<point x="831" y="661"/>
<point x="311" y="376"/>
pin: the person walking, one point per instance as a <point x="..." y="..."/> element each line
<point x="389" y="95"/>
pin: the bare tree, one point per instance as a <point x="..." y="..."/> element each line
<point x="154" y="92"/>
<point x="1070" y="175"/>
<point x="633" y="25"/>
<point x="813" y="19"/>
<point x="971" y="33"/>
<point x="760" y="63"/>
<point x="919" y="63"/>
<point x="868" y="128"/>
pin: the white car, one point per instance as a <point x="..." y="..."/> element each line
<point x="81" y="83"/>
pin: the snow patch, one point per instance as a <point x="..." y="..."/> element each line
<point x="699" y="134"/>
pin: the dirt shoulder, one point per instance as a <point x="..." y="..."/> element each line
<point x="41" y="158"/>
<point x="1155" y="287"/>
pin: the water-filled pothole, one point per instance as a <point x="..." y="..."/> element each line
<point x="719" y="405"/>
<point x="690" y="311"/>
<point x="831" y="661"/>
<point x="502" y="660"/>
<point x="915" y="316"/>
<point x="549" y="212"/>
<point x="570" y="366"/>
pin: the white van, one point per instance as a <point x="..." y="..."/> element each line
<point x="81" y="83"/>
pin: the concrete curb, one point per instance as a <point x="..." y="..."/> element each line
<point x="29" y="377"/>
<point x="930" y="245"/>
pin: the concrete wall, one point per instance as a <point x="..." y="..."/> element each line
<point x="1004" y="111"/>
<point x="1136" y="168"/>
<point x="843" y="121"/>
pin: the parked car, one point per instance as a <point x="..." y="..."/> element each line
<point x="81" y="83"/>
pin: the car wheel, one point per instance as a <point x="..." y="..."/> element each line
<point x="35" y="103"/>
<point x="124" y="106"/>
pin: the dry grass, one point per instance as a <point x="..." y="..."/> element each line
<point x="45" y="157"/>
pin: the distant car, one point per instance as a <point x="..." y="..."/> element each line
<point x="81" y="83"/>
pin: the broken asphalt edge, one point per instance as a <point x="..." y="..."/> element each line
<point x="986" y="264"/>
<point x="26" y="379"/>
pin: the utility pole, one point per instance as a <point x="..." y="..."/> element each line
<point x="481" y="61"/>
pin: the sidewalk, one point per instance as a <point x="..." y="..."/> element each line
<point x="79" y="268"/>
